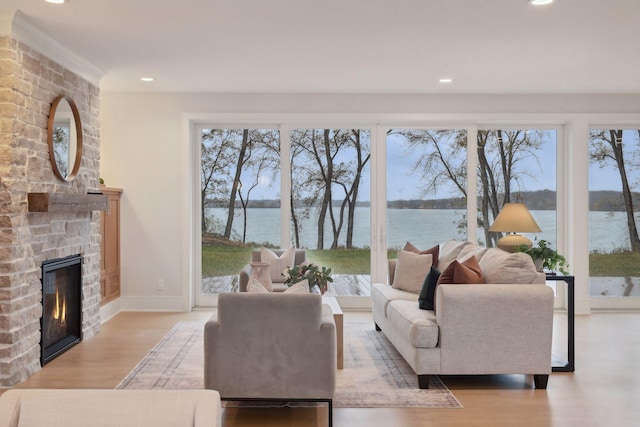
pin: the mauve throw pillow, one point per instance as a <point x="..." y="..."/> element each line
<point x="427" y="294"/>
<point x="434" y="251"/>
<point x="411" y="269"/>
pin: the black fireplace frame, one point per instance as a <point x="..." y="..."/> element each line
<point x="75" y="335"/>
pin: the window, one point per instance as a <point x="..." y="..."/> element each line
<point x="239" y="199"/>
<point x="517" y="166"/>
<point x="330" y="208"/>
<point x="614" y="182"/>
<point x="426" y="187"/>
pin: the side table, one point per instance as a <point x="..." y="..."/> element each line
<point x="567" y="365"/>
<point x="338" y="318"/>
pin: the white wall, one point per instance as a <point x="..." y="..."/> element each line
<point x="145" y="151"/>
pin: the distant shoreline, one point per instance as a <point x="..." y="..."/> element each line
<point x="542" y="200"/>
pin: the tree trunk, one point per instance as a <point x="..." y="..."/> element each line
<point x="236" y="180"/>
<point x="616" y="145"/>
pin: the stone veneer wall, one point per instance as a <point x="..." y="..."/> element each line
<point x="29" y="82"/>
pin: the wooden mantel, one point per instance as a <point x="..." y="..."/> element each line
<point x="67" y="202"/>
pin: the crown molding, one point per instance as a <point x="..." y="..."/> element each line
<point x="16" y="24"/>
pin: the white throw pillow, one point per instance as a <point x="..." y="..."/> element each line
<point x="469" y="251"/>
<point x="502" y="267"/>
<point x="278" y="263"/>
<point x="411" y="270"/>
<point x="256" y="287"/>
<point x="449" y="252"/>
<point x="302" y="287"/>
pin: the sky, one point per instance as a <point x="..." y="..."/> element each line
<point x="401" y="184"/>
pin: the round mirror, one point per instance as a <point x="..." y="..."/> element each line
<point x="64" y="136"/>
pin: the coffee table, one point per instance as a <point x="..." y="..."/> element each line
<point x="332" y="302"/>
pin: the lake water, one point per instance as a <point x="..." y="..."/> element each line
<point x="423" y="227"/>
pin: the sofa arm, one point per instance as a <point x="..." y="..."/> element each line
<point x="508" y="328"/>
<point x="244" y="278"/>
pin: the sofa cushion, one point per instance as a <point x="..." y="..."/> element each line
<point x="502" y="267"/>
<point x="278" y="263"/>
<point x="382" y="294"/>
<point x="465" y="272"/>
<point x="434" y="251"/>
<point x="427" y="293"/>
<point x="411" y="270"/>
<point x="419" y="327"/>
<point x="449" y="251"/>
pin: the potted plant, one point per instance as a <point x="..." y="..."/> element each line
<point x="315" y="275"/>
<point x="545" y="257"/>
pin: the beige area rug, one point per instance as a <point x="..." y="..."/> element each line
<point x="374" y="374"/>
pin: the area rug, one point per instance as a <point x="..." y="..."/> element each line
<point x="374" y="376"/>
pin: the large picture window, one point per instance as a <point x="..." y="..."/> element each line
<point x="517" y="166"/>
<point x="239" y="200"/>
<point x="614" y="183"/>
<point x="330" y="204"/>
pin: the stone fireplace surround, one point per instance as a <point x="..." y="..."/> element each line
<point x="29" y="82"/>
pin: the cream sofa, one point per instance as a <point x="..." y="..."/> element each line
<point x="502" y="326"/>
<point x="106" y="408"/>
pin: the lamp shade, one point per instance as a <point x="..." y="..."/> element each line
<point x="515" y="218"/>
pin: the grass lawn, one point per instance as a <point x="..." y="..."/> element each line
<point x="619" y="264"/>
<point x="227" y="260"/>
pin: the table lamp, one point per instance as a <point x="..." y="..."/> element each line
<point x="514" y="218"/>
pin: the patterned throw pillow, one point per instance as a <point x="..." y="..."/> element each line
<point x="302" y="287"/>
<point x="256" y="287"/>
<point x="278" y="263"/>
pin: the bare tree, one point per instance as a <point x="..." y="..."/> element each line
<point x="216" y="153"/>
<point x="318" y="170"/>
<point x="606" y="145"/>
<point x="499" y="155"/>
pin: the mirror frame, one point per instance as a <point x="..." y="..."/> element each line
<point x="78" y="126"/>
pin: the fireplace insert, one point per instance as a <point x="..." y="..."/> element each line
<point x="61" y="320"/>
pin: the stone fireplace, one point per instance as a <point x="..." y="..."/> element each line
<point x="29" y="82"/>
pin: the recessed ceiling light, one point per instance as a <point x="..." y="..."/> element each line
<point x="146" y="79"/>
<point x="446" y="80"/>
<point x="57" y="1"/>
<point x="540" y="2"/>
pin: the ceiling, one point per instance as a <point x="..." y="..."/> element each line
<point x="351" y="46"/>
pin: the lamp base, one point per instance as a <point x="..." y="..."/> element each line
<point x="511" y="242"/>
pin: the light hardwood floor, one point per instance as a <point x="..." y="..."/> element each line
<point x="604" y="390"/>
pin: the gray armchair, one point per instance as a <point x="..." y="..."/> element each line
<point x="271" y="347"/>
<point x="300" y="258"/>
